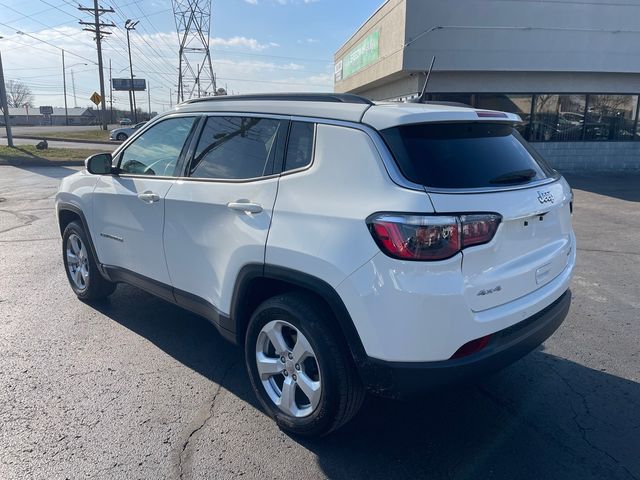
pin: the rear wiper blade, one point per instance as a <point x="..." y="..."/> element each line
<point x="514" y="177"/>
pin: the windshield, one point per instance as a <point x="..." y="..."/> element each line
<point x="464" y="155"/>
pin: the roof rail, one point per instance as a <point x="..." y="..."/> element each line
<point x="292" y="97"/>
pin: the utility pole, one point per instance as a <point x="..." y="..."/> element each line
<point x="110" y="95"/>
<point x="4" y="105"/>
<point x="97" y="11"/>
<point x="149" y="98"/>
<point x="131" y="25"/>
<point x="64" y="87"/>
<point x="73" y="88"/>
<point x="170" y="100"/>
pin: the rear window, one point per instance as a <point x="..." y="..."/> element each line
<point x="464" y="155"/>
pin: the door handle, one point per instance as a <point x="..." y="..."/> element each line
<point x="149" y="197"/>
<point x="245" y="206"/>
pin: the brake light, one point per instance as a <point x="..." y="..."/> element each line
<point x="490" y="114"/>
<point x="430" y="237"/>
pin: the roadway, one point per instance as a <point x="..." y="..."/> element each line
<point x="136" y="388"/>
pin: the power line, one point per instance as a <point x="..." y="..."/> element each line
<point x="98" y="30"/>
<point x="32" y="17"/>
<point x="124" y="19"/>
<point x="19" y="32"/>
<point x="75" y="18"/>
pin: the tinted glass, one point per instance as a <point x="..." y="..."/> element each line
<point x="611" y="117"/>
<point x="157" y="150"/>
<point x="558" y="118"/>
<point x="520" y="104"/>
<point x="300" y="147"/>
<point x="464" y="155"/>
<point x="237" y="148"/>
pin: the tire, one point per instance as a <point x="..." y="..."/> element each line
<point x="84" y="277"/>
<point x="121" y="137"/>
<point x="297" y="317"/>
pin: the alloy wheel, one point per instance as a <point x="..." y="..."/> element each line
<point x="77" y="261"/>
<point x="288" y="368"/>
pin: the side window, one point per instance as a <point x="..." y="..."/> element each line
<point x="300" y="147"/>
<point x="157" y="150"/>
<point x="237" y="147"/>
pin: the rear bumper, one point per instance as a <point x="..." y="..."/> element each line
<point x="400" y="379"/>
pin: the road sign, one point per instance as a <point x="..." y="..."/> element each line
<point x="124" y="84"/>
<point x="96" y="98"/>
<point x="46" y="110"/>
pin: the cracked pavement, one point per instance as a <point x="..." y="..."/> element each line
<point x="137" y="388"/>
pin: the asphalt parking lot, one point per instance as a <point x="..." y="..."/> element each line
<point x="137" y="388"/>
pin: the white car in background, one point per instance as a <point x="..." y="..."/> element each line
<point x="346" y="245"/>
<point x="121" y="134"/>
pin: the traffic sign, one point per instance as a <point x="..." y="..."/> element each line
<point x="124" y="84"/>
<point x="96" y="98"/>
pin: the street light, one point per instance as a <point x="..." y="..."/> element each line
<point x="4" y="104"/>
<point x="131" y="25"/>
<point x="64" y="86"/>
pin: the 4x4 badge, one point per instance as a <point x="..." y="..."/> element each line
<point x="545" y="197"/>
<point x="489" y="291"/>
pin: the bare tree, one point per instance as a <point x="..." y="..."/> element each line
<point x="19" y="94"/>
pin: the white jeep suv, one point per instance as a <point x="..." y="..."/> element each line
<point x="346" y="245"/>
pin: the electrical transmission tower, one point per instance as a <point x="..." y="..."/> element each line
<point x="195" y="71"/>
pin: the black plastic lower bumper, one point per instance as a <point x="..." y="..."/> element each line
<point x="402" y="379"/>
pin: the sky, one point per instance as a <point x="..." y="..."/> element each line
<point x="256" y="46"/>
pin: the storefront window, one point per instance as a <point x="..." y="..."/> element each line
<point x="520" y="104"/>
<point x="611" y="117"/>
<point x="558" y="118"/>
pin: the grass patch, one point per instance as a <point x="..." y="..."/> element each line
<point x="27" y="153"/>
<point x="93" y="135"/>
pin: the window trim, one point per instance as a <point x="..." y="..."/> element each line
<point x="313" y="146"/>
<point x="186" y="171"/>
<point x="380" y="147"/>
<point x="117" y="154"/>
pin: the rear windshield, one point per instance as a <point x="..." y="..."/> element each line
<point x="464" y="155"/>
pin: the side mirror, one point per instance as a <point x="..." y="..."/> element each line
<point x="99" y="164"/>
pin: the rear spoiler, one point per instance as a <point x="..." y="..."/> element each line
<point x="381" y="118"/>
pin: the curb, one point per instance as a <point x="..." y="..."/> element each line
<point x="41" y="162"/>
<point x="70" y="140"/>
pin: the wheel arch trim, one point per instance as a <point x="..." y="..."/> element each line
<point x="70" y="207"/>
<point x="240" y="314"/>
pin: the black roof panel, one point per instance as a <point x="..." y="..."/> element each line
<point x="291" y="97"/>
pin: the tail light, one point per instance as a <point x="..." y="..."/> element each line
<point x="430" y="237"/>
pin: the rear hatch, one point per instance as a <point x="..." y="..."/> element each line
<point x="485" y="167"/>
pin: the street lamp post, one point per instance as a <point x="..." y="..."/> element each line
<point x="64" y="87"/>
<point x="131" y="25"/>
